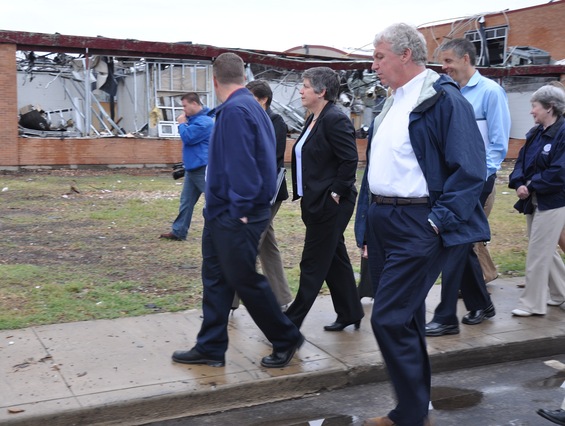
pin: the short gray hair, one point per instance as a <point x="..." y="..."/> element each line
<point x="402" y="37"/>
<point x="323" y="78"/>
<point x="550" y="96"/>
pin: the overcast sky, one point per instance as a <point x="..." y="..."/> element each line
<point x="253" y="24"/>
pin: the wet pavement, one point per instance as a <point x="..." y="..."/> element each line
<point x="120" y="371"/>
<point x="505" y="394"/>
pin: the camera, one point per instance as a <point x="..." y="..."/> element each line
<point x="178" y="171"/>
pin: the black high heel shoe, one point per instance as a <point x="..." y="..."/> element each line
<point x="339" y="326"/>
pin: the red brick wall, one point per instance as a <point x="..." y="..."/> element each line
<point x="101" y="151"/>
<point x="8" y="106"/>
<point x="537" y="26"/>
<point x="514" y="146"/>
<point x="121" y="151"/>
<point x="113" y="151"/>
<point x="361" y="149"/>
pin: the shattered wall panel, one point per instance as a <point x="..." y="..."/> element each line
<point x="133" y="102"/>
<point x="181" y="80"/>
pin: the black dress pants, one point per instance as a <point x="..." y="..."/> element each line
<point x="462" y="271"/>
<point x="229" y="252"/>
<point x="325" y="258"/>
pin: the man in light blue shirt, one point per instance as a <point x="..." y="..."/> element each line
<point x="463" y="270"/>
<point x="490" y="103"/>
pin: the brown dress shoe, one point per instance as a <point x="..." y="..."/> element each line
<point x="170" y="236"/>
<point x="378" y="421"/>
<point x="385" y="421"/>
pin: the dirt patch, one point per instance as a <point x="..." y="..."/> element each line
<point x="106" y="236"/>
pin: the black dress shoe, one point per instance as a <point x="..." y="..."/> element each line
<point x="437" y="329"/>
<point x="281" y="359"/>
<point x="477" y="317"/>
<point x="339" y="326"/>
<point x="194" y="357"/>
<point x="555" y="416"/>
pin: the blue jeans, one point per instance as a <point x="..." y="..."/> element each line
<point x="193" y="186"/>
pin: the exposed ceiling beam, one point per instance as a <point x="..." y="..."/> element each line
<point x="149" y="49"/>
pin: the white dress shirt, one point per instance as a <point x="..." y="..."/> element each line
<point x="298" y="153"/>
<point x="393" y="168"/>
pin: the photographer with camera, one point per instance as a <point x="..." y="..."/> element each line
<point x="195" y="128"/>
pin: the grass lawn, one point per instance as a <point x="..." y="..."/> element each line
<point x="71" y="256"/>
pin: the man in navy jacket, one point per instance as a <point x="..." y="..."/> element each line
<point x="425" y="172"/>
<point x="240" y="182"/>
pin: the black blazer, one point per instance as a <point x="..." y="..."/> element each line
<point x="329" y="161"/>
<point x="281" y="131"/>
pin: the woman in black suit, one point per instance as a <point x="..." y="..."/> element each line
<point x="324" y="165"/>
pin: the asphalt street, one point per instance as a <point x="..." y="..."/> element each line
<point x="506" y="394"/>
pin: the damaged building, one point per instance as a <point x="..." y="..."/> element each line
<point x="70" y="101"/>
<point x="84" y="101"/>
<point x="102" y="96"/>
<point x="520" y="49"/>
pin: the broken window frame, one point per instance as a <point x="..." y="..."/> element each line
<point x="489" y="43"/>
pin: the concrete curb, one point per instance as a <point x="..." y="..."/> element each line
<point x="262" y="391"/>
<point x="111" y="372"/>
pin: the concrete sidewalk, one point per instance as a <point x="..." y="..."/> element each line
<point x="120" y="371"/>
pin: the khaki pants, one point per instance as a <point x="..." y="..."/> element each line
<point x="487" y="265"/>
<point x="545" y="271"/>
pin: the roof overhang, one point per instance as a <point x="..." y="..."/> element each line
<point x="149" y="49"/>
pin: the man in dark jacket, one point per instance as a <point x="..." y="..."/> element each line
<point x="240" y="183"/>
<point x="195" y="127"/>
<point x="269" y="253"/>
<point x="426" y="169"/>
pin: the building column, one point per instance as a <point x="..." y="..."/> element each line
<point x="9" y="140"/>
